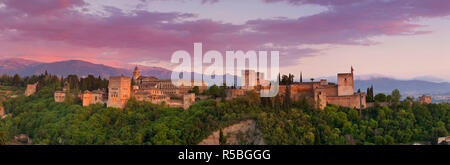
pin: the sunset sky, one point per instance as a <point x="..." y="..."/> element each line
<point x="397" y="38"/>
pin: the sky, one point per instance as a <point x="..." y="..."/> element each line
<point x="397" y="38"/>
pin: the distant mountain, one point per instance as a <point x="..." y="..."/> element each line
<point x="155" y="71"/>
<point x="407" y="87"/>
<point x="428" y="85"/>
<point x="78" y="67"/>
<point x="429" y="78"/>
<point x="12" y="65"/>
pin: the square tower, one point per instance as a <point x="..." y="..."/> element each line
<point x="345" y="84"/>
<point x="119" y="91"/>
<point x="248" y="79"/>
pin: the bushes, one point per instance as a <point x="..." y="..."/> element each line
<point x="47" y="122"/>
<point x="339" y="125"/>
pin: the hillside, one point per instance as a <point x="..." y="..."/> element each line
<point x="242" y="133"/>
<point x="13" y="65"/>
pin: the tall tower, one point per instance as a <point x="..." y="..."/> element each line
<point x="136" y="73"/>
<point x="346" y="84"/>
<point x="119" y="91"/>
<point x="248" y="79"/>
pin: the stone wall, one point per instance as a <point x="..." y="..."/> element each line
<point x="320" y="97"/>
<point x="95" y="97"/>
<point x="353" y="101"/>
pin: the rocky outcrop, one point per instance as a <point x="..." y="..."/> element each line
<point x="22" y="139"/>
<point x="243" y="133"/>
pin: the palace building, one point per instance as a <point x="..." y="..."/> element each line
<point x="94" y="97"/>
<point x="322" y="92"/>
<point x="119" y="91"/>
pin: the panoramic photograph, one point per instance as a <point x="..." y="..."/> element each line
<point x="187" y="73"/>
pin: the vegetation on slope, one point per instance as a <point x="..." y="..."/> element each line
<point x="281" y="121"/>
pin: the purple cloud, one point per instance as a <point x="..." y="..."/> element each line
<point x="42" y="6"/>
<point x="157" y="34"/>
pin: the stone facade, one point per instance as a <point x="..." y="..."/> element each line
<point x="170" y="89"/>
<point x="357" y="101"/>
<point x="119" y="91"/>
<point x="59" y="96"/>
<point x="425" y="99"/>
<point x="149" y="89"/>
<point x="165" y="86"/>
<point x="320" y="97"/>
<point x="346" y="86"/>
<point x="186" y="101"/>
<point x="31" y="89"/>
<point x="324" y="93"/>
<point x="94" y="97"/>
<point x="154" y="90"/>
<point x="154" y="96"/>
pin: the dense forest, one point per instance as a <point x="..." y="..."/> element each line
<point x="282" y="121"/>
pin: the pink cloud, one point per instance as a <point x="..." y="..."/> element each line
<point x="146" y="34"/>
<point x="41" y="6"/>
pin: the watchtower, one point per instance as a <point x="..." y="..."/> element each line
<point x="345" y="84"/>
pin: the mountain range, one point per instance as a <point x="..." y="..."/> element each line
<point x="382" y="84"/>
<point x="438" y="88"/>
<point x="81" y="68"/>
<point x="407" y="87"/>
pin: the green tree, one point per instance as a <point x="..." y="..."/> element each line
<point x="396" y="96"/>
<point x="389" y="98"/>
<point x="380" y="97"/>
<point x="17" y="81"/>
<point x="195" y="90"/>
<point x="214" y="91"/>
<point x="222" y="138"/>
<point x="370" y="96"/>
<point x="317" y="138"/>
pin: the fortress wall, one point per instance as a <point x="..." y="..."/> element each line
<point x="331" y="90"/>
<point x="297" y="90"/>
<point x="352" y="101"/>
